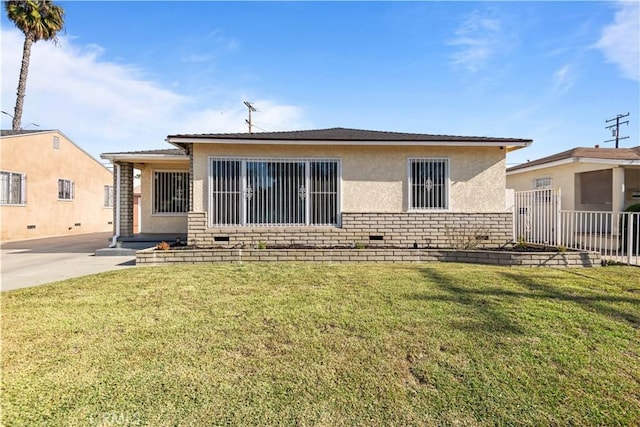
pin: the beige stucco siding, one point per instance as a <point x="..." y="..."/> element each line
<point x="565" y="177"/>
<point x="35" y="155"/>
<point x="158" y="223"/>
<point x="374" y="178"/>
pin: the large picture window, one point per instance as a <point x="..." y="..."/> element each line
<point x="428" y="184"/>
<point x="12" y="188"/>
<point x="274" y="192"/>
<point x="170" y="192"/>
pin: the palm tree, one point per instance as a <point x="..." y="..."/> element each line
<point x="38" y="20"/>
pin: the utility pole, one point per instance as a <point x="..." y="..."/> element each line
<point x="251" y="109"/>
<point x="616" y="132"/>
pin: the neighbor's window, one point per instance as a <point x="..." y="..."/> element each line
<point x="170" y="192"/>
<point x="596" y="187"/>
<point x="108" y="196"/>
<point x="12" y="188"/>
<point x="428" y="184"/>
<point x="542" y="183"/>
<point x="274" y="191"/>
<point x="66" y="189"/>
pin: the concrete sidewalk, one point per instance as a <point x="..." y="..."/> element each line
<point x="35" y="262"/>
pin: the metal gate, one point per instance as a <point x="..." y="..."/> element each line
<point x="539" y="219"/>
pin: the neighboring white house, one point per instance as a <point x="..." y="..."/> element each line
<point x="320" y="187"/>
<point x="590" y="179"/>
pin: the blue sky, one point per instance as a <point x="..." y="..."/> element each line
<point x="126" y="74"/>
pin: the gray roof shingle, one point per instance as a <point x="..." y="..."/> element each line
<point x="345" y="134"/>
<point x="584" y="153"/>
<point x="9" y="132"/>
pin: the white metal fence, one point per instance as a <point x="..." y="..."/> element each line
<point x="539" y="219"/>
<point x="537" y="216"/>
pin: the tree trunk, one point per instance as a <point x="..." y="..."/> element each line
<point x="22" y="82"/>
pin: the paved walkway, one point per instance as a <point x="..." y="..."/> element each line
<point x="35" y="262"/>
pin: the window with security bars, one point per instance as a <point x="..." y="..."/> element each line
<point x="12" y="188"/>
<point x="274" y="192"/>
<point x="108" y="196"/>
<point x="428" y="184"/>
<point x="170" y="192"/>
<point x="66" y="189"/>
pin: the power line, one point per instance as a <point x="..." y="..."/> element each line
<point x="616" y="131"/>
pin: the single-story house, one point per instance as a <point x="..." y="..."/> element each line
<point x="49" y="186"/>
<point x="327" y="187"/>
<point x="590" y="179"/>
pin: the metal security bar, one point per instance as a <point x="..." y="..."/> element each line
<point x="66" y="189"/>
<point x="428" y="180"/>
<point x="12" y="188"/>
<point x="170" y="192"/>
<point x="537" y="216"/>
<point x="323" y="192"/>
<point x="274" y="192"/>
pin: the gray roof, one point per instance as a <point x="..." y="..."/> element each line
<point x="9" y="132"/>
<point x="613" y="154"/>
<point x="345" y="134"/>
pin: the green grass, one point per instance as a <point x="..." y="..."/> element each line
<point x="310" y="344"/>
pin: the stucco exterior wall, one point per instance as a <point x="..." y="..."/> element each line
<point x="34" y="155"/>
<point x="374" y="178"/>
<point x="564" y="177"/>
<point x="158" y="223"/>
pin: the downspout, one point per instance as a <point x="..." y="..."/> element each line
<point x="114" y="240"/>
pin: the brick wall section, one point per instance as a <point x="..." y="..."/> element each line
<point x="509" y="259"/>
<point x="126" y="200"/>
<point x="428" y="230"/>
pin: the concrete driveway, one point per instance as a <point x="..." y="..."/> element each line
<point x="38" y="261"/>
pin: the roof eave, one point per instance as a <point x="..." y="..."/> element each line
<point x="138" y="158"/>
<point x="573" y="160"/>
<point x="178" y="141"/>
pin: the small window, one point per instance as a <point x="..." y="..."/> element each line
<point x="56" y="143"/>
<point x="12" y="188"/>
<point x="66" y="189"/>
<point x="170" y="192"/>
<point x="428" y="184"/>
<point x="108" y="196"/>
<point x="542" y="183"/>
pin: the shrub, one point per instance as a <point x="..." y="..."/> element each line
<point x="163" y="246"/>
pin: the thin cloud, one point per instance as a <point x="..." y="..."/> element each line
<point x="563" y="79"/>
<point x="478" y="39"/>
<point x="106" y="107"/>
<point x="620" y="41"/>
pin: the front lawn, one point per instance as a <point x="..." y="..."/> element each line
<point x="314" y="344"/>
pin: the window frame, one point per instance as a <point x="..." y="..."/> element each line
<point x="546" y="178"/>
<point x="23" y="188"/>
<point x="153" y="192"/>
<point x="243" y="216"/>
<point x="446" y="186"/>
<point x="72" y="190"/>
<point x="109" y="196"/>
